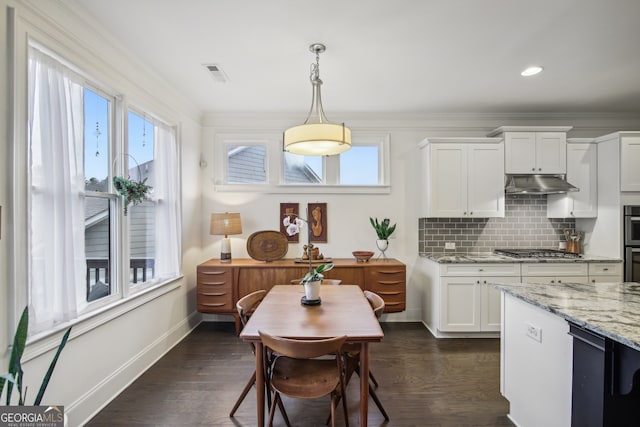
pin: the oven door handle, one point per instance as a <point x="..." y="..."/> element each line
<point x="633" y="249"/>
<point x="634" y="218"/>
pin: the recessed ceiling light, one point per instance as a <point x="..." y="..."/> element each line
<point x="531" y="71"/>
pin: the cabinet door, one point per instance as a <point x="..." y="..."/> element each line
<point x="582" y="172"/>
<point x="520" y="152"/>
<point x="629" y="161"/>
<point x="490" y="311"/>
<point x="582" y="161"/>
<point x="459" y="304"/>
<point x="551" y="152"/>
<point x="448" y="181"/>
<point x="485" y="181"/>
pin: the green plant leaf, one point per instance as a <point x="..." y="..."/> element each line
<point x="15" y="370"/>
<point x="47" y="377"/>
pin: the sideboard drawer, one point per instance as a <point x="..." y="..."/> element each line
<point x="215" y="289"/>
<point x="390" y="283"/>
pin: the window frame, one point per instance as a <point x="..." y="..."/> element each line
<point x="121" y="299"/>
<point x="275" y="166"/>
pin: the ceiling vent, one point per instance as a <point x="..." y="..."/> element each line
<point x="217" y="73"/>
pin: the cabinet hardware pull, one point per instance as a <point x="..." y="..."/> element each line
<point x="389" y="271"/>
<point x="481" y="269"/>
<point x="213" y="294"/>
<point x="533" y="169"/>
<point x="388" y="293"/>
<point x="395" y="282"/>
<point x="212" y="272"/>
<point x="478" y="282"/>
<point x="208" y="304"/>
<point x="212" y="283"/>
<point x="605" y="269"/>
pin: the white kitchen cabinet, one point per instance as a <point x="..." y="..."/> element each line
<point x="467" y="299"/>
<point x="555" y="272"/>
<point x="603" y="272"/>
<point x="534" y="149"/>
<point x="582" y="171"/>
<point x="463" y="177"/>
<point x="629" y="161"/>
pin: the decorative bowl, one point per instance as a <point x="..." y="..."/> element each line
<point x="362" y="256"/>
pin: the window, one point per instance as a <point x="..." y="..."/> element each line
<point x="84" y="252"/>
<point x="300" y="169"/>
<point x="246" y="164"/>
<point x="253" y="164"/>
<point x="140" y="143"/>
<point x="360" y="165"/>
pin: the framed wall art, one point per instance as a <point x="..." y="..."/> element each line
<point x="291" y="210"/>
<point x="318" y="222"/>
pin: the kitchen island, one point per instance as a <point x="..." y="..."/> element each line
<point x="569" y="353"/>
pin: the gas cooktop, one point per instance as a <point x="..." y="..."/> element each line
<point x="535" y="253"/>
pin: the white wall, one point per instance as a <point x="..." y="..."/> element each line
<point x="348" y="214"/>
<point x="109" y="350"/>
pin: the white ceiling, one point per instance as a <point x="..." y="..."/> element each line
<point x="413" y="56"/>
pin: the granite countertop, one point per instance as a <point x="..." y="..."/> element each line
<point x="489" y="258"/>
<point x="608" y="309"/>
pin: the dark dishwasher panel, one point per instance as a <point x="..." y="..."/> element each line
<point x="606" y="390"/>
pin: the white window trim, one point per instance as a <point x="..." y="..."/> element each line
<point x="275" y="166"/>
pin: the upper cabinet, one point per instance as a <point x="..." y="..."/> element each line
<point x="463" y="177"/>
<point x="534" y="149"/>
<point x="582" y="171"/>
<point x="629" y="161"/>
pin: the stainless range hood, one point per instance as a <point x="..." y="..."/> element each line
<point x="537" y="184"/>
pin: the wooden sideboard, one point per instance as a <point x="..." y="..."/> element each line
<point x="221" y="285"/>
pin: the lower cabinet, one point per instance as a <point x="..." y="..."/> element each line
<point x="602" y="272"/>
<point x="468" y="300"/>
<point x="549" y="273"/>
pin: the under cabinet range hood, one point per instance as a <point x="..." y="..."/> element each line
<point x="537" y="184"/>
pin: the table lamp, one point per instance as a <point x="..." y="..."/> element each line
<point x="225" y="224"/>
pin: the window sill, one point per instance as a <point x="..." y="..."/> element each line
<point x="304" y="189"/>
<point x="49" y="340"/>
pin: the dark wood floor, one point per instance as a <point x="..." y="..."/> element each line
<point x="423" y="382"/>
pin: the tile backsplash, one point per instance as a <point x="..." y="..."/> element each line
<point x="525" y="225"/>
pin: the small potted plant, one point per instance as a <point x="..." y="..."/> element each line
<point x="312" y="281"/>
<point x="384" y="231"/>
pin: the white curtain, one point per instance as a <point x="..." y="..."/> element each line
<point x="167" y="196"/>
<point x="57" y="266"/>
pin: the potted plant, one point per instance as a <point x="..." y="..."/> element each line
<point x="14" y="377"/>
<point x="132" y="192"/>
<point x="312" y="281"/>
<point x="384" y="231"/>
<point x="313" y="278"/>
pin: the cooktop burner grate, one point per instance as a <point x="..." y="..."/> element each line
<point x="535" y="253"/>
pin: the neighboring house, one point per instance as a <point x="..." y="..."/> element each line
<point x="141" y="225"/>
<point x="247" y="164"/>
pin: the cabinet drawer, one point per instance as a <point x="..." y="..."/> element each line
<point x="605" y="269"/>
<point x="214" y="276"/>
<point x="555" y="269"/>
<point x="506" y="269"/>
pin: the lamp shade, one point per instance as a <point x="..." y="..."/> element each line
<point x="225" y="223"/>
<point x="317" y="139"/>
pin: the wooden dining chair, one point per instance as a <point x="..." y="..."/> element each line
<point x="246" y="306"/>
<point x="306" y="369"/>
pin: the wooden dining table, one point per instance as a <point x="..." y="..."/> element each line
<point x="344" y="310"/>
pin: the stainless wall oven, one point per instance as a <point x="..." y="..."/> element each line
<point x="632" y="243"/>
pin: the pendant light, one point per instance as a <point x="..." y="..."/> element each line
<point x="317" y="136"/>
